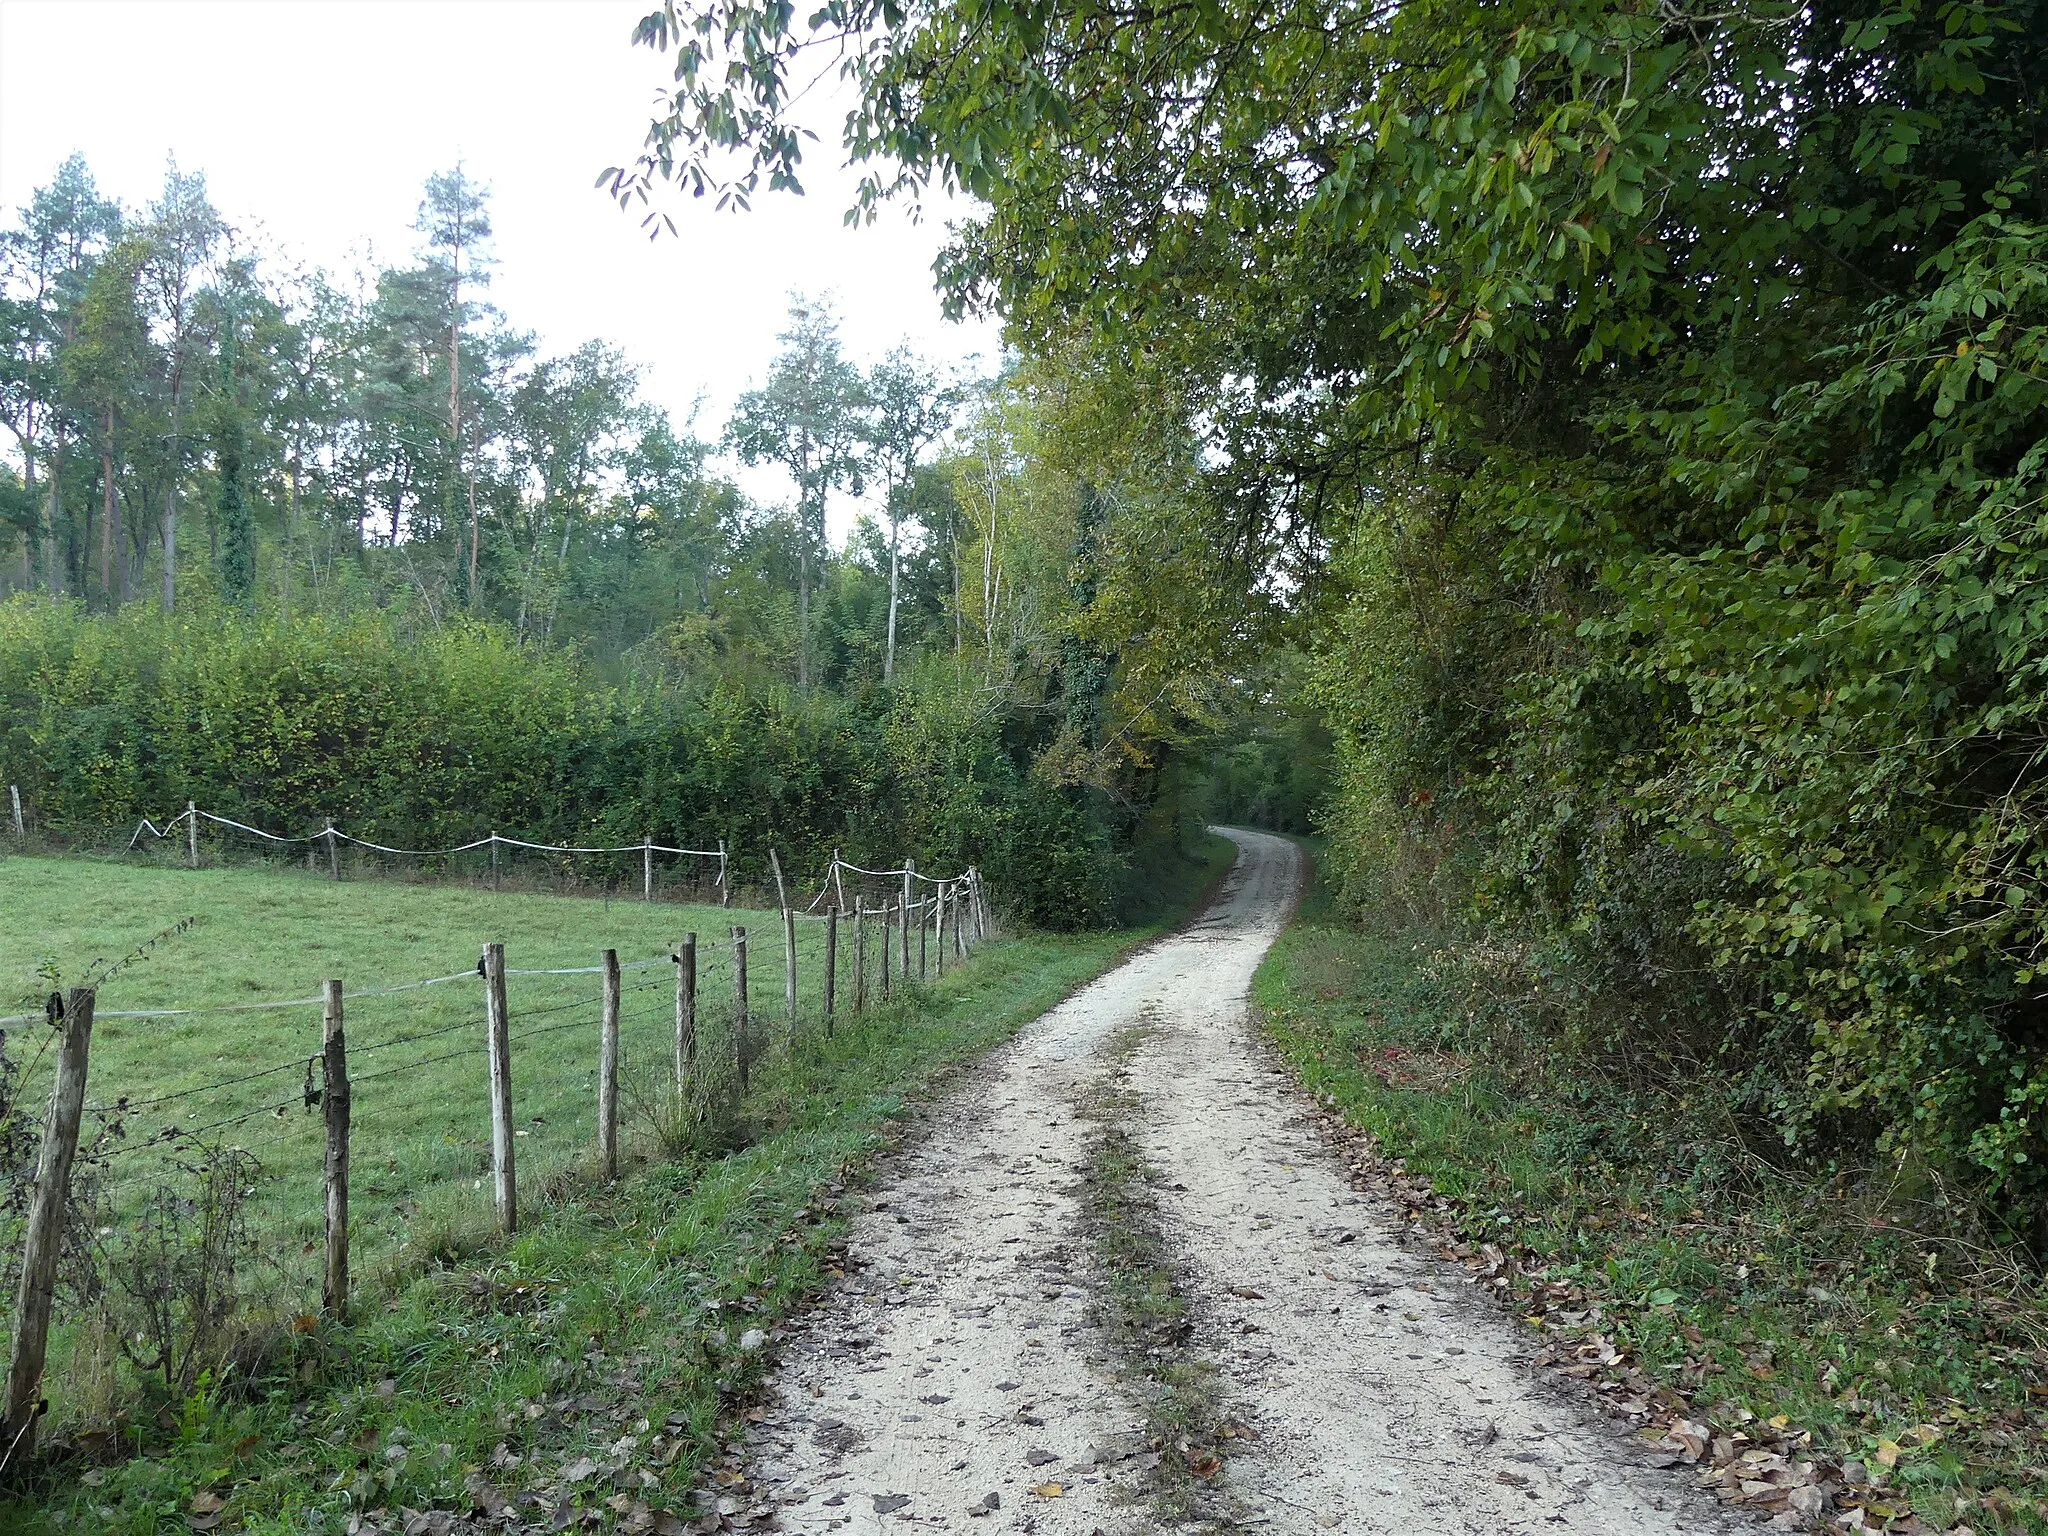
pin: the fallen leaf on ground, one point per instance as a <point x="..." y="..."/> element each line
<point x="1049" y="1490"/>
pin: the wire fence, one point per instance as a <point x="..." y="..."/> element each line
<point x="414" y="1112"/>
<point x="658" y="871"/>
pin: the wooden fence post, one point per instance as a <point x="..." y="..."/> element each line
<point x="334" y="852"/>
<point x="494" y="861"/>
<point x="909" y="876"/>
<point x="888" y="943"/>
<point x="45" y="1238"/>
<point x="191" y="835"/>
<point x="923" y="912"/>
<point x="939" y="927"/>
<point x="724" y="876"/>
<point x="608" y="1070"/>
<point x="334" y="1113"/>
<point x="860" y="955"/>
<point x="959" y="927"/>
<point x="838" y="884"/>
<point x="788" y="945"/>
<point x="686" y="1015"/>
<point x="647" y="866"/>
<point x="739" y="1004"/>
<point x="504" y="1182"/>
<point x="14" y="792"/>
<point x="831" y="962"/>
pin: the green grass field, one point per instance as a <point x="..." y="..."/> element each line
<point x="635" y="1295"/>
<point x="421" y="1129"/>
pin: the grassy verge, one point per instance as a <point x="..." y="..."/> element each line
<point x="590" y="1369"/>
<point x="1809" y="1342"/>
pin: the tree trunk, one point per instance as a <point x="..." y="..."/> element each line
<point x="895" y="577"/>
<point x="803" y="612"/>
<point x="28" y="535"/>
<point x="291" y="523"/>
<point x="171" y="499"/>
<point x="472" y="539"/>
<point x="110" y="517"/>
<point x="53" y="570"/>
<point x="953" y="538"/>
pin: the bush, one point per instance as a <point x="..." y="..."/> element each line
<point x="429" y="740"/>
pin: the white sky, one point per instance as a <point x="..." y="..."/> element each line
<point x="317" y="121"/>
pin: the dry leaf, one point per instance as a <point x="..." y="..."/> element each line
<point x="1887" y="1453"/>
<point x="1049" y="1490"/>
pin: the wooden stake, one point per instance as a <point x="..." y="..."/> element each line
<point x="45" y="1237"/>
<point x="909" y="875"/>
<point x="739" y="1004"/>
<point x="686" y="1016"/>
<point x="838" y="884"/>
<point x="647" y="867"/>
<point x="191" y="835"/>
<point x="334" y="1114"/>
<point x="788" y="945"/>
<point x="888" y="943"/>
<point x="608" y="1069"/>
<point x="831" y="962"/>
<point x="14" y="792"/>
<point x="504" y="1183"/>
<point x="334" y="852"/>
<point x="860" y="956"/>
<point x="494" y="862"/>
<point x="724" y="876"/>
<point x="939" y="923"/>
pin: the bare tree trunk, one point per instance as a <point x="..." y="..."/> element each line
<point x="803" y="612"/>
<point x="53" y="570"/>
<point x="953" y="538"/>
<point x="171" y="542"/>
<point x="895" y="576"/>
<point x="110" y="516"/>
<point x="28" y="535"/>
<point x="171" y="499"/>
<point x="291" y="522"/>
<point x="472" y="538"/>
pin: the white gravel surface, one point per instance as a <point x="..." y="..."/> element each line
<point x="955" y="1363"/>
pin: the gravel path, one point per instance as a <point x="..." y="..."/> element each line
<point x="953" y="1381"/>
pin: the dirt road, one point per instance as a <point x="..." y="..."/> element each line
<point x="980" y="1369"/>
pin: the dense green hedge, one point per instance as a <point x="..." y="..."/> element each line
<point x="432" y="739"/>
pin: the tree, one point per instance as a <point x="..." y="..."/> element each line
<point x="455" y="219"/>
<point x="910" y="407"/>
<point x="571" y="417"/>
<point x="806" y="418"/>
<point x="112" y="372"/>
<point x="183" y="230"/>
<point x="1643" y="406"/>
<point x="48" y="260"/>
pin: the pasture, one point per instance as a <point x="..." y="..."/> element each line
<point x="235" y="1072"/>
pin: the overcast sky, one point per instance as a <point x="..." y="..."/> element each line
<point x="316" y="121"/>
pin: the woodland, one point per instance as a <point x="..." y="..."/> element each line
<point x="1623" y="426"/>
<point x="301" y="546"/>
